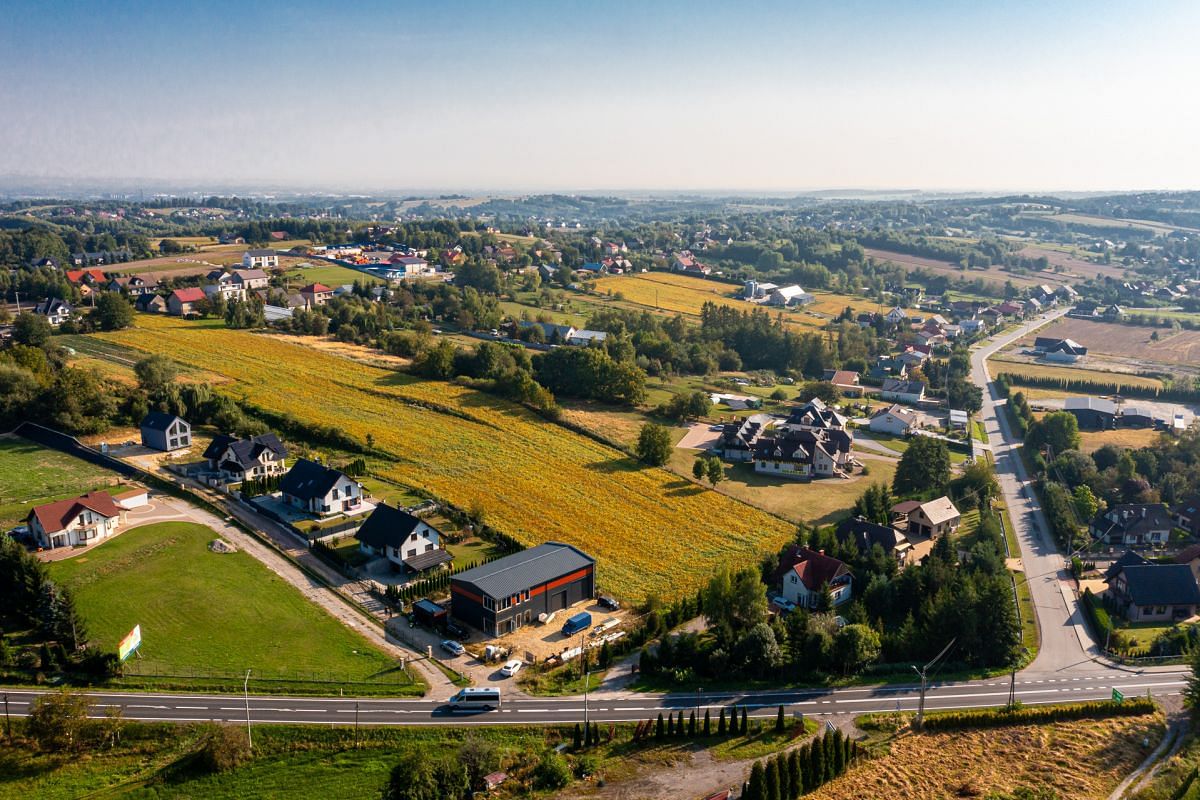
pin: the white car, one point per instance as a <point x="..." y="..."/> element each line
<point x="453" y="647"/>
<point x="511" y="668"/>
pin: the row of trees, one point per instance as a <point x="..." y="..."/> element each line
<point x="787" y="776"/>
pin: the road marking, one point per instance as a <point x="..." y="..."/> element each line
<point x="192" y="708"/>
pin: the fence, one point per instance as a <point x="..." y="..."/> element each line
<point x="140" y="668"/>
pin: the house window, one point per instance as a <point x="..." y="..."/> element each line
<point x="1160" y="609"/>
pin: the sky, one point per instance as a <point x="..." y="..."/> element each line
<point x="522" y="96"/>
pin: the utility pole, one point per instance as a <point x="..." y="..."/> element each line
<point x="7" y="720"/>
<point x="246" y="691"/>
<point x="587" y="675"/>
<point x="1012" y="689"/>
<point x="924" y="672"/>
<point x="355" y="724"/>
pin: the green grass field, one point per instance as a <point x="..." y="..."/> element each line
<point x="204" y="614"/>
<point x="31" y="474"/>
<point x="331" y="275"/>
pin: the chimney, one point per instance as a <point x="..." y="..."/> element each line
<point x="821" y="551"/>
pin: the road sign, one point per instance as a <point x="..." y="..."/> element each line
<point x="1117" y="697"/>
<point x="130" y="644"/>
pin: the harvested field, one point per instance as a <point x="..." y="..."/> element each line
<point x="1080" y="373"/>
<point x="1127" y="341"/>
<point x="649" y="530"/>
<point x="1082" y="760"/>
<point x="1133" y="438"/>
<point x="1071" y="262"/>
<point x="994" y="274"/>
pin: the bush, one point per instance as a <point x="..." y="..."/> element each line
<point x="224" y="747"/>
<point x="551" y="772"/>
<point x="586" y="766"/>
<point x="1038" y="715"/>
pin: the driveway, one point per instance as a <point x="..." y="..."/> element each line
<point x="699" y="437"/>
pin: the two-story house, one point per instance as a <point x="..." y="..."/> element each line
<point x="166" y="432"/>
<point x="250" y="279"/>
<point x="320" y="490"/>
<point x="930" y="520"/>
<point x="1149" y="592"/>
<point x="77" y="522"/>
<point x="402" y="538"/>
<point x="1133" y="524"/>
<point x="260" y="259"/>
<point x="805" y="574"/>
<point x="241" y="459"/>
<point x="55" y="311"/>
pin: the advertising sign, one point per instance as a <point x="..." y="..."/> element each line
<point x="131" y="642"/>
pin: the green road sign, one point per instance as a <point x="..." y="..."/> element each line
<point x="1118" y="697"/>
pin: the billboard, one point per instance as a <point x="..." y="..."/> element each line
<point x="131" y="642"/>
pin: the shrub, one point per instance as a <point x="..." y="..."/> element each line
<point x="551" y="772"/>
<point x="1038" y="715"/>
<point x="224" y="747"/>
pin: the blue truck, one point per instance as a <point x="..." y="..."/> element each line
<point x="580" y="622"/>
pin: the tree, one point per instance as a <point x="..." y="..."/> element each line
<point x="757" y="787"/>
<point x="57" y="720"/>
<point x="721" y="722"/>
<point x="223" y="748"/>
<point x="785" y="786"/>
<point x="654" y="444"/>
<point x="707" y="723"/>
<point x="745" y="722"/>
<point x="1058" y="430"/>
<point x="1086" y="504"/>
<point x="113" y="312"/>
<point x="1191" y="692"/>
<point x="699" y="468"/>
<point x="412" y="779"/>
<point x="552" y="772"/>
<point x="963" y="395"/>
<point x="779" y="725"/>
<point x="924" y="468"/>
<point x="715" y="470"/>
<point x="31" y="329"/>
<point x="659" y="728"/>
<point x="771" y="782"/>
<point x="795" y="775"/>
<point x="855" y="646"/>
<point x="154" y="373"/>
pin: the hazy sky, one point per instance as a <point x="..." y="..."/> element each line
<point x="599" y="95"/>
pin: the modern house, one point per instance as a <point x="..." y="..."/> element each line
<point x="225" y="286"/>
<point x="738" y="439"/>
<point x="241" y="459"/>
<point x="1063" y="351"/>
<point x="55" y="311"/>
<point x="260" y="259"/>
<point x="1148" y="592"/>
<point x="320" y="490"/>
<point x="316" y="294"/>
<point x="1092" y="413"/>
<point x="250" y="279"/>
<point x="511" y="592"/>
<point x="901" y="391"/>
<point x="1133" y="524"/>
<point x="132" y="285"/>
<point x="166" y="432"/>
<point x="77" y="522"/>
<point x="402" y="538"/>
<point x="803" y="454"/>
<point x="867" y="534"/>
<point x="805" y="575"/>
<point x="182" y="302"/>
<point x="896" y="420"/>
<point x="929" y="520"/>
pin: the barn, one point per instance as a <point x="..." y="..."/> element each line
<point x="511" y="592"/>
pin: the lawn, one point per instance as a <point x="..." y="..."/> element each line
<point x="331" y="275"/>
<point x="532" y="479"/>
<point x="1078" y="759"/>
<point x="1133" y="438"/>
<point x="206" y="614"/>
<point x="31" y="474"/>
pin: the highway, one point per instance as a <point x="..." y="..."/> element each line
<point x="1068" y="666"/>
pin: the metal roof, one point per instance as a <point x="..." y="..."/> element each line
<point x="524" y="570"/>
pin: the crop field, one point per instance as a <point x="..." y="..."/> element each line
<point x="1071" y="261"/>
<point x="1128" y="341"/>
<point x="222" y="613"/>
<point x="31" y="474"/>
<point x="649" y="530"/>
<point x="1093" y="221"/>
<point x="994" y="274"/>
<point x="687" y="295"/>
<point x="1080" y="373"/>
<point x="1080" y="760"/>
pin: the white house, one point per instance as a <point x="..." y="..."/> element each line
<point x="77" y="522"/>
<point x="260" y="259"/>
<point x="896" y="315"/>
<point x="250" y="279"/>
<point x="55" y="311"/>
<point x="402" y="538"/>
<point x="808" y="573"/>
<point x="320" y="490"/>
<point x="790" y="296"/>
<point x="899" y="391"/>
<point x="930" y="520"/>
<point x="896" y="420"/>
<point x="241" y="459"/>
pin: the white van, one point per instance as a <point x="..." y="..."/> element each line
<point x="476" y="698"/>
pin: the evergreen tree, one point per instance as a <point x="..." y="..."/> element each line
<point x="781" y="766"/>
<point x="795" y="780"/>
<point x="707" y="723"/>
<point x="771" y="780"/>
<point x="756" y="788"/>
<point x="847" y="752"/>
<point x="721" y="722"/>
<point x="595" y="733"/>
<point x="816" y="766"/>
<point x="745" y="722"/>
<point x="658" y="728"/>
<point x="671" y="725"/>
<point x="830" y="767"/>
<point x="578" y="738"/>
<point x="839" y="753"/>
<point x="680" y="730"/>
<point x="779" y="721"/>
<point x="691" y="725"/>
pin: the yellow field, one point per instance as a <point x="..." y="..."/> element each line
<point x="686" y="295"/>
<point x="650" y="530"/>
<point x="1000" y="364"/>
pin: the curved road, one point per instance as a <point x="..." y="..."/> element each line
<point x="1067" y="668"/>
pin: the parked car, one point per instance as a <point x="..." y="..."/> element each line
<point x="609" y="602"/>
<point x="453" y="647"/>
<point x="577" y="623"/>
<point x="716" y="428"/>
<point x="457" y="631"/>
<point x="511" y="668"/>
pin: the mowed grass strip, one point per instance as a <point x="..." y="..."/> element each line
<point x="31" y="475"/>
<point x="207" y="613"/>
<point x="650" y="530"/>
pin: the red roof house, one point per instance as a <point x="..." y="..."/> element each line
<point x="78" y="521"/>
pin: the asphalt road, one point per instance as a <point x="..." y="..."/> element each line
<point x="1067" y="668"/>
<point x="1030" y="690"/>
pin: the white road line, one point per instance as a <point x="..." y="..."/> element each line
<point x="192" y="708"/>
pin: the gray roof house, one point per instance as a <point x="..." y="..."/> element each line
<point x="1151" y="592"/>
<point x="317" y="489"/>
<point x="166" y="432"/>
<point x="1133" y="524"/>
<point x="239" y="459"/>
<point x="402" y="538"/>
<point x="1092" y="412"/>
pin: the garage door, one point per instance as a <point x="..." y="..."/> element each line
<point x="558" y="602"/>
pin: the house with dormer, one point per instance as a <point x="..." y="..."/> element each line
<point x="242" y="459"/>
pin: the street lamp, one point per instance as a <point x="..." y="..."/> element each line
<point x="246" y="691"/>
<point x="923" y="672"/>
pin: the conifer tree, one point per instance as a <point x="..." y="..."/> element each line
<point x="658" y="728"/>
<point x="779" y="721"/>
<point x="781" y="765"/>
<point x="816" y="765"/>
<point x="771" y="780"/>
<point x="756" y="788"/>
<point x="721" y="722"/>
<point x="691" y="725"/>
<point x="745" y="722"/>
<point x="671" y="725"/>
<point x="795" y="781"/>
<point x="707" y="723"/>
<point x="578" y="739"/>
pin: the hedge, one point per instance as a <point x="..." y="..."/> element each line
<point x="1038" y="715"/>
<point x="1101" y="623"/>
<point x="1166" y="394"/>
